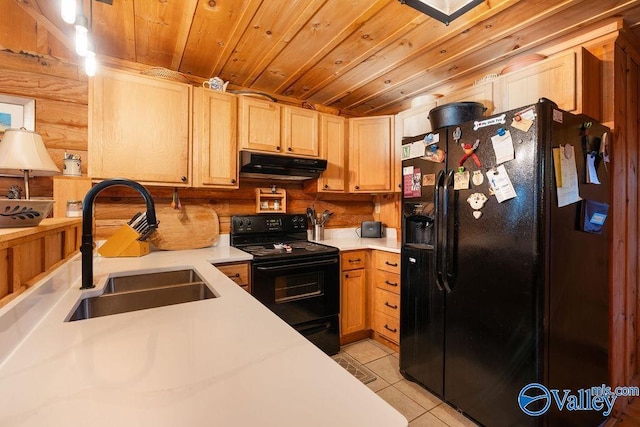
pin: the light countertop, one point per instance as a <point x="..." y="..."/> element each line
<point x="224" y="361"/>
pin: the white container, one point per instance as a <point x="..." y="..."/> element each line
<point x="72" y="167"/>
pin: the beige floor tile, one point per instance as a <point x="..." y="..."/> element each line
<point x="381" y="346"/>
<point x="427" y="420"/>
<point x="377" y="384"/>
<point x="364" y="351"/>
<point x="451" y="417"/>
<point x="398" y="400"/>
<point x="387" y="368"/>
<point x="418" y="394"/>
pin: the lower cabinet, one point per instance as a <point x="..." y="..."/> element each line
<point x="353" y="296"/>
<point x="386" y="301"/>
<point x="239" y="272"/>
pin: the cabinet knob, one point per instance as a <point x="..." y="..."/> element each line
<point x="278" y="148"/>
<point x="346" y="275"/>
<point x="233" y="181"/>
<point x="289" y="149"/>
<point x="183" y="179"/>
<point x="326" y="186"/>
<point x="357" y="187"/>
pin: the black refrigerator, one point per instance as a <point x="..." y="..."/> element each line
<point x="505" y="268"/>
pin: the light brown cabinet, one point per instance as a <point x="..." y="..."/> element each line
<point x="571" y="79"/>
<point x="215" y="159"/>
<point x="259" y="128"/>
<point x="386" y="285"/>
<point x="371" y="154"/>
<point x="139" y="128"/>
<point x="239" y="272"/>
<point x="268" y="127"/>
<point x="299" y="131"/>
<point x="353" y="293"/>
<point x="333" y="146"/>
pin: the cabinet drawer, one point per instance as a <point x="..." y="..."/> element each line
<point x="387" y="326"/>
<point x="388" y="303"/>
<point x="239" y="273"/>
<point x="387" y="281"/>
<point x="352" y="260"/>
<point x="387" y="261"/>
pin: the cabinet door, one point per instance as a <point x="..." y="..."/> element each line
<point x="482" y="93"/>
<point x="353" y="312"/>
<point x="259" y="125"/>
<point x="139" y="128"/>
<point x="571" y="79"/>
<point x="300" y="131"/>
<point x="371" y="154"/>
<point x="215" y="160"/>
<point x="333" y="148"/>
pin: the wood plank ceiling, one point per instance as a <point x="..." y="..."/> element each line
<point x="361" y="57"/>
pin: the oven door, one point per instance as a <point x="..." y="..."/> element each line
<point x="298" y="291"/>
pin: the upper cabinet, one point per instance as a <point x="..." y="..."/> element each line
<point x="481" y="92"/>
<point x="215" y="156"/>
<point x="300" y="131"/>
<point x="139" y="128"/>
<point x="333" y="146"/>
<point x="259" y="125"/>
<point x="571" y="79"/>
<point x="371" y="154"/>
<point x="266" y="126"/>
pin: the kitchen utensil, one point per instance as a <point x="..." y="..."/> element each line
<point x="455" y="113"/>
<point x="195" y="226"/>
<point x="311" y="216"/>
<point x="325" y="216"/>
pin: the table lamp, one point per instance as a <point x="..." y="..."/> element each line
<point x="22" y="153"/>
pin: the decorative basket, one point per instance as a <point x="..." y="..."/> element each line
<point x="23" y="213"/>
<point x="165" y="74"/>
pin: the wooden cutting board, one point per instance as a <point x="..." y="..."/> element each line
<point x="193" y="227"/>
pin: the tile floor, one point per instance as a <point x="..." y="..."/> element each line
<point x="420" y="407"/>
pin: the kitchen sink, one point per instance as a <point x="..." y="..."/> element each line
<point x="142" y="291"/>
<point x="138" y="282"/>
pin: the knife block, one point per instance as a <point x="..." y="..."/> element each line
<point x="124" y="243"/>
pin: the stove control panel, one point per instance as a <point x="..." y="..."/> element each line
<point x="266" y="223"/>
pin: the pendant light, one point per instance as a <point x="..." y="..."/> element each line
<point x="82" y="35"/>
<point x="68" y="11"/>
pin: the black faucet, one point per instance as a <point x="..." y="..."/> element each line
<point x="86" y="249"/>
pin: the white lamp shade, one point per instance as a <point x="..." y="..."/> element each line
<point x="22" y="150"/>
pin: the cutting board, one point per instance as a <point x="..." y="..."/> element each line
<point x="193" y="227"/>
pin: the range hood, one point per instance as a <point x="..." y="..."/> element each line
<point x="273" y="166"/>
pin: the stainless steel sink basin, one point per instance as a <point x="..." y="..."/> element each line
<point x="139" y="292"/>
<point x="138" y="282"/>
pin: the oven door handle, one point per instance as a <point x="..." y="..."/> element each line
<point x="297" y="265"/>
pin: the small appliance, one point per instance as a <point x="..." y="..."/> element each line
<point x="371" y="229"/>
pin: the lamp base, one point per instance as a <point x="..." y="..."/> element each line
<point x="23" y="212"/>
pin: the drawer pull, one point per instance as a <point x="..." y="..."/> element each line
<point x="394" y="330"/>
<point x="395" y="307"/>
<point x="231" y="276"/>
<point x="353" y="261"/>
<point x="386" y="282"/>
<point x="392" y="264"/>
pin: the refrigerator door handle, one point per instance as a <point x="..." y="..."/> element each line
<point x="437" y="229"/>
<point x="445" y="230"/>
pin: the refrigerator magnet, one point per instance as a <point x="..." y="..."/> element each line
<point x="477" y="201"/>
<point x="501" y="184"/>
<point x="477" y="178"/>
<point x="461" y="180"/>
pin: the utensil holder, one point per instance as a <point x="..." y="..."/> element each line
<point x="124" y="243"/>
<point x="317" y="233"/>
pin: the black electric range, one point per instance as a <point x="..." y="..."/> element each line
<point x="297" y="279"/>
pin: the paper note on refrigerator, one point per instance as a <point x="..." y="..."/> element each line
<point x="503" y="147"/>
<point x="592" y="173"/>
<point x="568" y="192"/>
<point x="501" y="184"/>
<point x="413" y="150"/>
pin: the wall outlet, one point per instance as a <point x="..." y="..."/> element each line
<point x="376" y="208"/>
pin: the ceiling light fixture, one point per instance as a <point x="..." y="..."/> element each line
<point x="443" y="10"/>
